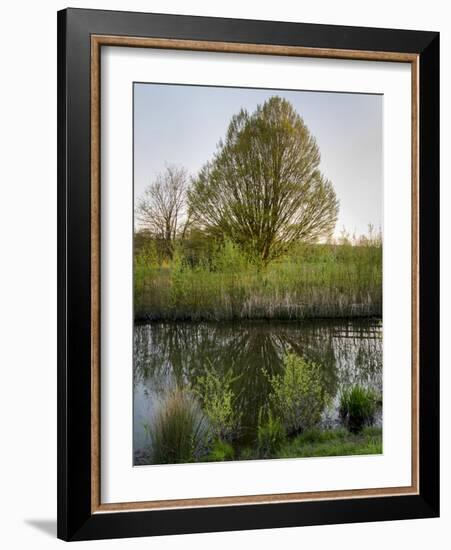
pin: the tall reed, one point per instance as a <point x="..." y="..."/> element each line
<point x="312" y="281"/>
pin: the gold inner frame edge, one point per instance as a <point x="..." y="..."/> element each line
<point x="97" y="41"/>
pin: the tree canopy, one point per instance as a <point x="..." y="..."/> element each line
<point x="263" y="189"/>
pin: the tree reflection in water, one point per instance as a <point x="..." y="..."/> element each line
<point x="165" y="354"/>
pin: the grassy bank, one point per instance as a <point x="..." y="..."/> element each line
<point x="314" y="443"/>
<point x="339" y="280"/>
<point x="339" y="442"/>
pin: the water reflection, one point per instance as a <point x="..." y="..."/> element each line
<point x="177" y="353"/>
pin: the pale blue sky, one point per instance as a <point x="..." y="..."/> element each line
<point x="177" y="124"/>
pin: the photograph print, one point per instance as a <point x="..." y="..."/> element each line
<point x="257" y="274"/>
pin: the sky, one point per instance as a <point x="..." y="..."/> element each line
<point x="181" y="125"/>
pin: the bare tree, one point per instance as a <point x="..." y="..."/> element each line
<point x="162" y="210"/>
<point x="263" y="188"/>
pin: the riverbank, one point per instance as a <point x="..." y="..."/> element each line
<point x="322" y="443"/>
<point x="339" y="442"/>
<point x="316" y="281"/>
<point x="313" y="443"/>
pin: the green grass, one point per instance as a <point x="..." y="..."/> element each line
<point x="338" y="442"/>
<point x="357" y="407"/>
<point x="320" y="443"/>
<point x="220" y="451"/>
<point x="312" y="281"/>
<point x="270" y="435"/>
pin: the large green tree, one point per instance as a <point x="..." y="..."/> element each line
<point x="263" y="189"/>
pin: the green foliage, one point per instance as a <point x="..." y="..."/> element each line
<point x="198" y="248"/>
<point x="178" y="432"/>
<point x="230" y="258"/>
<point x="248" y="453"/>
<point x="220" y="451"/>
<point x="146" y="252"/>
<point x="270" y="435"/>
<point x="150" y="277"/>
<point x="145" y="262"/>
<point x="371" y="431"/>
<point x="218" y="400"/>
<point x="298" y="396"/>
<point x="325" y="280"/>
<point x="358" y="407"/>
<point x="179" y="269"/>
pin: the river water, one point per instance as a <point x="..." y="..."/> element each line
<point x="165" y="354"/>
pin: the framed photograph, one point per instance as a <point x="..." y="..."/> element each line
<point x="248" y="274"/>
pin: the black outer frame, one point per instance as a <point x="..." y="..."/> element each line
<point x="75" y="521"/>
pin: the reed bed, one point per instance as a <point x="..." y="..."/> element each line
<point x="327" y="281"/>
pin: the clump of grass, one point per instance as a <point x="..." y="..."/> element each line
<point x="317" y="436"/>
<point x="371" y="431"/>
<point x="270" y="435"/>
<point x="248" y="453"/>
<point x="179" y="431"/>
<point x="358" y="407"/>
<point x="298" y="396"/>
<point x="220" y="451"/>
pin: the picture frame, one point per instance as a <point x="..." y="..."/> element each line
<point x="81" y="36"/>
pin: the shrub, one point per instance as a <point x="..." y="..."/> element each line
<point x="219" y="403"/>
<point x="229" y="258"/>
<point x="220" y="451"/>
<point x="298" y="396"/>
<point x="147" y="255"/>
<point x="270" y="435"/>
<point x="357" y="407"/>
<point x="178" y="432"/>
